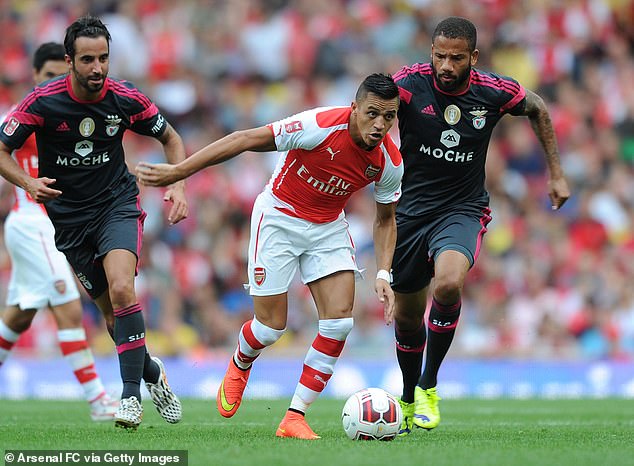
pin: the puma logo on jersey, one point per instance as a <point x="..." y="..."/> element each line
<point x="332" y="153"/>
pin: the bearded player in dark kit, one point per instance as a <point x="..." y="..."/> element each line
<point x="93" y="200"/>
<point x="447" y="114"/>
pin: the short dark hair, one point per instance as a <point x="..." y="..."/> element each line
<point x="86" y="26"/>
<point x="53" y="51"/>
<point x="379" y="84"/>
<point x="456" y="27"/>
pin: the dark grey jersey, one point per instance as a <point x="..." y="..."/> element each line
<point x="80" y="143"/>
<point x="444" y="137"/>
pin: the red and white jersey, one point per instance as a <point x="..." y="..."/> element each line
<point x="322" y="166"/>
<point x="26" y="158"/>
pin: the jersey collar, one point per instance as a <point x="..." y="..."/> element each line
<point x="452" y="93"/>
<point x="71" y="93"/>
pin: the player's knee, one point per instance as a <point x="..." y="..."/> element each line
<point x="409" y="312"/>
<point x="121" y="293"/>
<point x="19" y="323"/>
<point x="448" y="288"/>
<point x="408" y="322"/>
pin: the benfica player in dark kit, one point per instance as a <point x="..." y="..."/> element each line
<point x="91" y="197"/>
<point x="447" y="113"/>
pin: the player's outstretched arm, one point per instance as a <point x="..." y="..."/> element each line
<point x="384" y="242"/>
<point x="537" y="112"/>
<point x="38" y="188"/>
<point x="161" y="174"/>
<point x="174" y="153"/>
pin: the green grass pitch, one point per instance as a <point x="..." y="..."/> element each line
<point x="472" y="433"/>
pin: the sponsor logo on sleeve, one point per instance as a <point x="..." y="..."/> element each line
<point x="11" y="126"/>
<point x="160" y="122"/>
<point x="293" y="126"/>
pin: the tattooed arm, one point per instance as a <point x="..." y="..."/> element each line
<point x="539" y="117"/>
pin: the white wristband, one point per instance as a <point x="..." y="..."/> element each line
<point x="384" y="275"/>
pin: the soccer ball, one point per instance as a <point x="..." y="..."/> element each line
<point x="371" y="414"/>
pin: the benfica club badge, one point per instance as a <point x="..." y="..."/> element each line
<point x="372" y="171"/>
<point x="259" y="274"/>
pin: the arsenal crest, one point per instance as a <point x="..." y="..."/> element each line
<point x="259" y="274"/>
<point x="371" y="171"/>
<point x="60" y="286"/>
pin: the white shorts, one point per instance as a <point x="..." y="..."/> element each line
<point x="40" y="274"/>
<point x="280" y="244"/>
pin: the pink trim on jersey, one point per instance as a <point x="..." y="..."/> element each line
<point x="52" y="88"/>
<point x="405" y="95"/>
<point x="145" y="114"/>
<point x="514" y="101"/>
<point x="484" y="221"/>
<point x="120" y="89"/>
<point x="139" y="237"/>
<point x="71" y="93"/>
<point x="257" y="238"/>
<point x="454" y="93"/>
<point x="27" y="118"/>
<point x="421" y="68"/>
<point x="500" y="83"/>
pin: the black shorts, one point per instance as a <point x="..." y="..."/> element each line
<point x="120" y="227"/>
<point x="420" y="240"/>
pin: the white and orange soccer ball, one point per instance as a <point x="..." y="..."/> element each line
<point x="371" y="414"/>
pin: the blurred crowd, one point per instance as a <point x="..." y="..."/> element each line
<point x="546" y="285"/>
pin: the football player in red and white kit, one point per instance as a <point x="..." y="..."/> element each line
<point x="40" y="274"/>
<point x="298" y="222"/>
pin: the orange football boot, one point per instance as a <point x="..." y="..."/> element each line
<point x="231" y="389"/>
<point x="295" y="426"/>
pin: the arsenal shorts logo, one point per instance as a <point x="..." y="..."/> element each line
<point x="259" y="274"/>
<point x="60" y="286"/>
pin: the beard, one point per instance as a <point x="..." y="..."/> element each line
<point x="457" y="82"/>
<point x="88" y="85"/>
